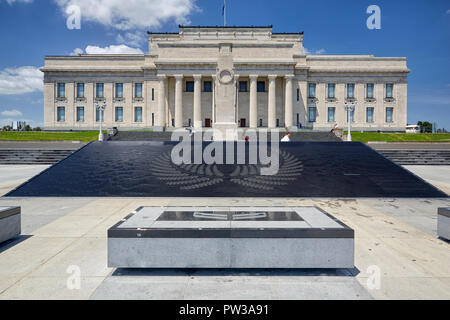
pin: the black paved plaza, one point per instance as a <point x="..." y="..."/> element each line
<point x="144" y="169"/>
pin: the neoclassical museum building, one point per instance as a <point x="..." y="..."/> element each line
<point x="225" y="77"/>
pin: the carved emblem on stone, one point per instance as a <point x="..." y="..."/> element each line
<point x="225" y="76"/>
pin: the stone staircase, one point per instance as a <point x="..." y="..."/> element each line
<point x="141" y="136"/>
<point x="32" y="156"/>
<point x="165" y="136"/>
<point x="417" y="157"/>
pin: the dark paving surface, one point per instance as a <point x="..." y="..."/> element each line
<point x="307" y="169"/>
<point x="166" y="136"/>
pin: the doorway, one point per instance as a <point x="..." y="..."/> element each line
<point x="207" y="123"/>
<point x="242" y="123"/>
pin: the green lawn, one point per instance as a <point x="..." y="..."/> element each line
<point x="48" y="136"/>
<point x="374" y="136"/>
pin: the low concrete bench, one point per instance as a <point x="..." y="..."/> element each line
<point x="9" y="223"/>
<point x="443" y="227"/>
<point x="230" y="237"/>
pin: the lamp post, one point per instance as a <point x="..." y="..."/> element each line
<point x="349" y="108"/>
<point x="101" y="108"/>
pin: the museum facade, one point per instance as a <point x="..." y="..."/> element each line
<point x="226" y="77"/>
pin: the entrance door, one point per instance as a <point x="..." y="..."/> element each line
<point x="242" y="123"/>
<point x="207" y="123"/>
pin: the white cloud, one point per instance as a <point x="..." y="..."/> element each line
<point x="76" y="52"/>
<point x="307" y="51"/>
<point x="113" y="49"/>
<point x="132" y="14"/>
<point x="21" y="80"/>
<point x="11" y="113"/>
<point x="120" y="49"/>
<point x="132" y="39"/>
<point x="10" y="2"/>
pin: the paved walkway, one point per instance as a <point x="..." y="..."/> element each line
<point x="395" y="236"/>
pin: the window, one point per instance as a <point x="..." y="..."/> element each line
<point x="243" y="86"/>
<point x="312" y="114"/>
<point x="189" y="86"/>
<point x="350" y="90"/>
<point x="137" y="114"/>
<point x="389" y="90"/>
<point x="61" y="114"/>
<point x="61" y="92"/>
<point x="173" y="122"/>
<point x="119" y="90"/>
<point x="261" y="86"/>
<point x="369" y="91"/>
<point x="153" y="94"/>
<point x="278" y="123"/>
<point x="298" y="94"/>
<point x="389" y="114"/>
<point x="189" y="122"/>
<point x="80" y="114"/>
<point x="80" y="90"/>
<point x="207" y="86"/>
<point x="352" y="116"/>
<point x="369" y="115"/>
<point x="119" y="114"/>
<point x="153" y="119"/>
<point x="260" y="123"/>
<point x="311" y="90"/>
<point x="331" y="89"/>
<point x="138" y="90"/>
<point x="99" y="92"/>
<point x="97" y="115"/>
<point x="331" y="112"/>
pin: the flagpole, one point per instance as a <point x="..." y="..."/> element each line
<point x="224" y="13"/>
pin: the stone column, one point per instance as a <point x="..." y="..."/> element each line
<point x="178" y="101"/>
<point x="197" y="101"/>
<point x="288" y="107"/>
<point x="253" y="112"/>
<point x="272" y="112"/>
<point x="213" y="103"/>
<point x="161" y="114"/>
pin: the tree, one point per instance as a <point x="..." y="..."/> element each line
<point x="425" y="126"/>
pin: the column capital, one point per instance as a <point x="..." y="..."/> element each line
<point x="253" y="76"/>
<point x="197" y="76"/>
<point x="178" y="76"/>
<point x="289" y="76"/>
<point x="272" y="76"/>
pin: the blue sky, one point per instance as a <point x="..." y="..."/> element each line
<point x="418" y="30"/>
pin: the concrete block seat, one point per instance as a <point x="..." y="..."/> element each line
<point x="443" y="227"/>
<point x="230" y="237"/>
<point x="10" y="224"/>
